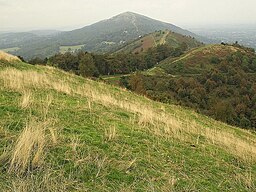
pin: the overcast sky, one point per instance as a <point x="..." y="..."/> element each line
<point x="18" y="15"/>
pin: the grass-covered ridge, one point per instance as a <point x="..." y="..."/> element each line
<point x="162" y="37"/>
<point x="200" y="59"/>
<point x="61" y="132"/>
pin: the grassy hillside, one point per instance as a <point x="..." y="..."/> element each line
<point x="61" y="132"/>
<point x="71" y="49"/>
<point x="151" y="40"/>
<point x="8" y="57"/>
<point x="199" y="60"/>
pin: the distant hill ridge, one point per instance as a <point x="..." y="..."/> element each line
<point x="103" y="36"/>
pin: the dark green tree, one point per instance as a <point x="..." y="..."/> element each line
<point x="87" y="66"/>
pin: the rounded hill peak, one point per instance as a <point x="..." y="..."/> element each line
<point x="126" y="16"/>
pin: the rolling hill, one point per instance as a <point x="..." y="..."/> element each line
<point x="157" y="38"/>
<point x="215" y="80"/>
<point x="103" y="36"/>
<point x="9" y="40"/>
<point x="61" y="132"/>
<point x="199" y="60"/>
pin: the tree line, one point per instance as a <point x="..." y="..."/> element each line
<point x="93" y="65"/>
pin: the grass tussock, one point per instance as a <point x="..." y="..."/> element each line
<point x="26" y="99"/>
<point x="46" y="106"/>
<point x="29" y="150"/>
<point x="110" y="133"/>
<point x="48" y="181"/>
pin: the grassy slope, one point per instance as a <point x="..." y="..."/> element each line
<point x="64" y="49"/>
<point x="8" y="57"/>
<point x="159" y="38"/>
<point x="197" y="60"/>
<point x="96" y="137"/>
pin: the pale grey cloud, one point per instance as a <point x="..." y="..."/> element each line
<point x="58" y="14"/>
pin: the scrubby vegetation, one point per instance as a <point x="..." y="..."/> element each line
<point x="172" y="39"/>
<point x="221" y="87"/>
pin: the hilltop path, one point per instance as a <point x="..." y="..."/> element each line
<point x="163" y="39"/>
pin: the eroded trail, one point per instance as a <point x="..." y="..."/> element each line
<point x="163" y="39"/>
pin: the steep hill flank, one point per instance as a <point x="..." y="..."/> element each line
<point x="162" y="37"/>
<point x="61" y="132"/>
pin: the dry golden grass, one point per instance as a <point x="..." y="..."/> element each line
<point x="20" y="80"/>
<point x="46" y="106"/>
<point x="130" y="165"/>
<point x="53" y="134"/>
<point x="238" y="146"/>
<point x="29" y="149"/>
<point x="62" y="87"/>
<point x="26" y="99"/>
<point x="247" y="179"/>
<point x="48" y="181"/>
<point x="75" y="142"/>
<point x="110" y="133"/>
<point x="163" y="123"/>
<point x="3" y="132"/>
<point x="8" y="57"/>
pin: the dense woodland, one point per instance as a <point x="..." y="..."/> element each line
<point x="94" y="65"/>
<point x="226" y="93"/>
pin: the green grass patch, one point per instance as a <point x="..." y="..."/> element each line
<point x="64" y="49"/>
